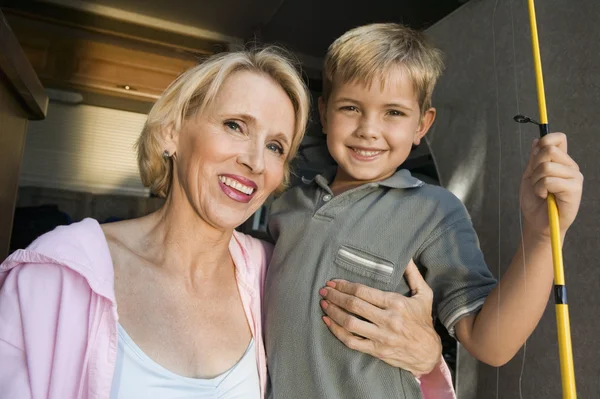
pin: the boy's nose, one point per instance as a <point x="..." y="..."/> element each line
<point x="367" y="131"/>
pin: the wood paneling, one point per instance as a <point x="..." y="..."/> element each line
<point x="65" y="58"/>
<point x="13" y="126"/>
<point x="22" y="98"/>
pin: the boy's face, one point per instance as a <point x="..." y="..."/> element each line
<point x="370" y="130"/>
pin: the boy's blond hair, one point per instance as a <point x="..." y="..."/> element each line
<point x="368" y="52"/>
<point x="196" y="89"/>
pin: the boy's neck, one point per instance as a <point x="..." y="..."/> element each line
<point x="343" y="182"/>
<point x="340" y="187"/>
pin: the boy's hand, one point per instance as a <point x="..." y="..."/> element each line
<point x="399" y="330"/>
<point x="550" y="170"/>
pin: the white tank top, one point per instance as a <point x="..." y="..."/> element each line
<point x="138" y="376"/>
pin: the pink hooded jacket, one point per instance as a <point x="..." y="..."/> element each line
<point x="58" y="315"/>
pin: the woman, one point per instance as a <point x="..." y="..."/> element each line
<point x="186" y="286"/>
<point x="167" y="305"/>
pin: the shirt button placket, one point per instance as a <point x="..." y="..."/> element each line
<point x="322" y="204"/>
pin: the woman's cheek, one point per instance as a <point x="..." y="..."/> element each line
<point x="274" y="175"/>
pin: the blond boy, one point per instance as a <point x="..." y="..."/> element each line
<point x="366" y="221"/>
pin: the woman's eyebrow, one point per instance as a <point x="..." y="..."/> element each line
<point x="281" y="137"/>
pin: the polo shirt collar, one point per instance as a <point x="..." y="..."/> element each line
<point x="401" y="179"/>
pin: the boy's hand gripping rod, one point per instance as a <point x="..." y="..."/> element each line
<point x="560" y="291"/>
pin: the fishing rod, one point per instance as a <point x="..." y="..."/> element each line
<point x="567" y="371"/>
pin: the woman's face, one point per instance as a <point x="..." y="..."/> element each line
<point x="231" y="156"/>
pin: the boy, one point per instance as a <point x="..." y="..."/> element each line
<point x="366" y="221"/>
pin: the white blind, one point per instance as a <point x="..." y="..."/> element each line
<point x="84" y="148"/>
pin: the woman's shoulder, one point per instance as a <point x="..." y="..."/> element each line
<point x="80" y="247"/>
<point x="75" y="242"/>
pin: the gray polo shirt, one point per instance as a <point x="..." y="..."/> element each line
<point x="366" y="235"/>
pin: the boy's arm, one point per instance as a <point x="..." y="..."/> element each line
<point x="515" y="306"/>
<point x="513" y="309"/>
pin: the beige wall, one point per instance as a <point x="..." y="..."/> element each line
<point x="477" y="148"/>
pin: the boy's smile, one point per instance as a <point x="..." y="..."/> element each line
<point x="371" y="128"/>
<point x="366" y="154"/>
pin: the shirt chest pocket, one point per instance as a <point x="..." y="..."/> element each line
<point x="364" y="267"/>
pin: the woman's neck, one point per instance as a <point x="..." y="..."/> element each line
<point x="179" y="240"/>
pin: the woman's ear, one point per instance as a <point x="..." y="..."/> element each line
<point x="323" y="113"/>
<point x="426" y="122"/>
<point x="170" y="139"/>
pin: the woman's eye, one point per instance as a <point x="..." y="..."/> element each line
<point x="233" y="126"/>
<point x="351" y="108"/>
<point x="275" y="148"/>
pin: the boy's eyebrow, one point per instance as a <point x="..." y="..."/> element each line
<point x="398" y="105"/>
<point x="346" y="99"/>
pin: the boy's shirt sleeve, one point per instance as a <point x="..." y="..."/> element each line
<point x="455" y="268"/>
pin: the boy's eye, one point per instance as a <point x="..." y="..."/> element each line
<point x="233" y="126"/>
<point x="394" y="112"/>
<point x="275" y="148"/>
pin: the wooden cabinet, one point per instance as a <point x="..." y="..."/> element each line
<point x="22" y="98"/>
<point x="107" y="67"/>
<point x="69" y="59"/>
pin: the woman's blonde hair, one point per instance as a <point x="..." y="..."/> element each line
<point x="197" y="88"/>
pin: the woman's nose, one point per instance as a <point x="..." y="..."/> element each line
<point x="253" y="159"/>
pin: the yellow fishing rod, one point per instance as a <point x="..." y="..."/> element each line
<point x="567" y="371"/>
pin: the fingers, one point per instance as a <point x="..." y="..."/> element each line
<point x="348" y="322"/>
<point x="556" y="139"/>
<point x="552" y="170"/>
<point x="556" y="170"/>
<point x="365" y="301"/>
<point x="550" y="148"/>
<point x="564" y="189"/>
<point x="557" y="179"/>
<point x="352" y="303"/>
<point x="350" y="340"/>
<point x="370" y="295"/>
<point x="415" y="280"/>
<point x="552" y="154"/>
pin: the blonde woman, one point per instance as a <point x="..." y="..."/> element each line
<point x="167" y="305"/>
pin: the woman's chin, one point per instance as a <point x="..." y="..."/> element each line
<point x="230" y="221"/>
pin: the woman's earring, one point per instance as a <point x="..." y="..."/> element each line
<point x="166" y="155"/>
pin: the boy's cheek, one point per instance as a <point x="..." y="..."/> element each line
<point x="340" y="123"/>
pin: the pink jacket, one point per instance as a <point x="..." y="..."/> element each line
<point x="58" y="315"/>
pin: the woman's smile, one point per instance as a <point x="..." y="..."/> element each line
<point x="237" y="187"/>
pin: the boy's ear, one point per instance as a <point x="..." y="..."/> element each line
<point x="323" y="113"/>
<point x="426" y="122"/>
